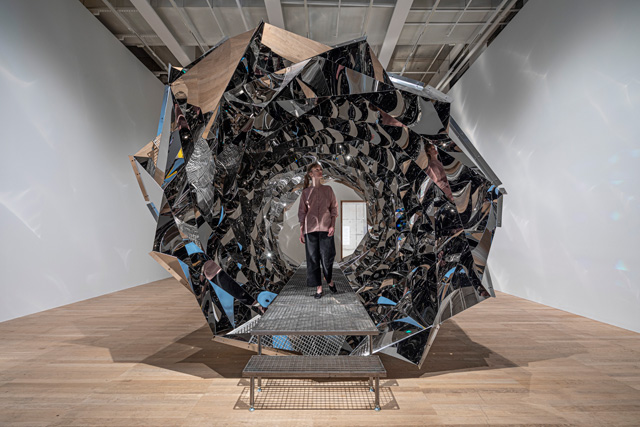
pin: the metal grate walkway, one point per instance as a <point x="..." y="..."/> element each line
<point x="295" y="311"/>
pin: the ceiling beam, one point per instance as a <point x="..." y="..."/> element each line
<point x="244" y="19"/>
<point x="306" y="19"/>
<point x="158" y="26"/>
<point x="274" y="13"/>
<point x="333" y="4"/>
<point x="365" y="22"/>
<point x="424" y="73"/>
<point x="122" y="19"/>
<point x="477" y="24"/>
<point x="338" y="18"/>
<point x="424" y="27"/>
<point x="485" y="35"/>
<point x="459" y="17"/>
<point x="396" y="24"/>
<point x="216" y="18"/>
<point x="189" y="24"/>
<point x="451" y="9"/>
<point x="431" y="64"/>
<point x="446" y="62"/>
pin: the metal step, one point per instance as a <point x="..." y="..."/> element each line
<point x="314" y="367"/>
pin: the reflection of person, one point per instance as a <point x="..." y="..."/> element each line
<point x="317" y="215"/>
<point x="436" y="172"/>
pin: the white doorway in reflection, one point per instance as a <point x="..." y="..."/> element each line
<point x="353" y="216"/>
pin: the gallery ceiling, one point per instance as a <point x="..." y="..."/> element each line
<point x="432" y="41"/>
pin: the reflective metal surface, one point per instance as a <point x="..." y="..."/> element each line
<point x="229" y="173"/>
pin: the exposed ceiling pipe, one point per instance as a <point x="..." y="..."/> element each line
<point x="98" y="10"/>
<point x="306" y="18"/>
<point x="122" y="19"/>
<point x="415" y="46"/>
<point x="338" y="18"/>
<point x="446" y="62"/>
<point x="430" y="65"/>
<point x="478" y="9"/>
<point x="486" y="24"/>
<point x="453" y="71"/>
<point x="477" y="34"/>
<point x="446" y="24"/>
<point x="244" y="20"/>
<point x="187" y="22"/>
<point x="459" y="17"/>
<point x="333" y="4"/>
<point x="149" y="14"/>
<point x="122" y="36"/>
<point x="365" y="23"/>
<point x="215" y="18"/>
<point x="442" y="47"/>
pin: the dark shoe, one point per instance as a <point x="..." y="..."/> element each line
<point x="333" y="289"/>
<point x="318" y="295"/>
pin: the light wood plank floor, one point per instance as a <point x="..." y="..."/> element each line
<point x="143" y="356"/>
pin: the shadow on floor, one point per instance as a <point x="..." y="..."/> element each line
<point x="197" y="354"/>
<point x="453" y="350"/>
<point x="294" y="394"/>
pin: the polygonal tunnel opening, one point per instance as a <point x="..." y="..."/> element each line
<point x="242" y="124"/>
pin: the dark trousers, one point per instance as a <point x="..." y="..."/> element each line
<point x="321" y="251"/>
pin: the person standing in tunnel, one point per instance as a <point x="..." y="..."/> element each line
<point x="317" y="215"/>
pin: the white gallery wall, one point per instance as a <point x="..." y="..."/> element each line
<point x="75" y="102"/>
<point x="553" y="105"/>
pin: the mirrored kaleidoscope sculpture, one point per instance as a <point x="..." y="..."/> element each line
<point x="238" y="128"/>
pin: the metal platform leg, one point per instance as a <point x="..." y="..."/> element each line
<point x="259" y="345"/>
<point x="251" y="396"/>
<point x="370" y="383"/>
<point x="259" y="383"/>
<point x="377" y="393"/>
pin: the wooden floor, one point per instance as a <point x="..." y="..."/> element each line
<point x="143" y="356"/>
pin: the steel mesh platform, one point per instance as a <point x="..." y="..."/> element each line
<point x="295" y="311"/>
<point x="316" y="366"/>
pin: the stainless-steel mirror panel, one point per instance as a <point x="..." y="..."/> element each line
<point x="151" y="187"/>
<point x="428" y="122"/>
<point x="165" y="124"/>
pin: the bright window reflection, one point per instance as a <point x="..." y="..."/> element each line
<point x="354" y="225"/>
